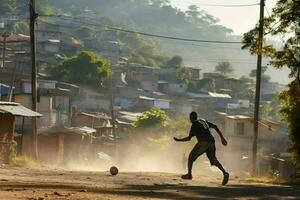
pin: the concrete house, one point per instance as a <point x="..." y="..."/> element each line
<point x="238" y="129"/>
<point x="147" y="76"/>
<point x="52" y="102"/>
<point x="146" y="103"/>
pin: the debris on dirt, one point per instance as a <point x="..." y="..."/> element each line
<point x="3" y="179"/>
<point x="34" y="198"/>
<point x="83" y="190"/>
<point x="58" y="194"/>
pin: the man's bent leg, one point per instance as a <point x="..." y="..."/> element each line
<point x="211" y="154"/>
<point x="195" y="153"/>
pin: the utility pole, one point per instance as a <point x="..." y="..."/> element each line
<point x="33" y="17"/>
<point x="4" y="48"/>
<point x="112" y="100"/>
<point x="12" y="83"/>
<point x="3" y="55"/>
<point x="258" y="83"/>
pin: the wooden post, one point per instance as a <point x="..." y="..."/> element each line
<point x="4" y="49"/>
<point x="12" y="83"/>
<point x="3" y="55"/>
<point x="257" y="91"/>
<point x="33" y="16"/>
<point x="112" y="108"/>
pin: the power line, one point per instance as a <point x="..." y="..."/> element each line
<point x="213" y="47"/>
<point x="228" y="5"/>
<point x="146" y="34"/>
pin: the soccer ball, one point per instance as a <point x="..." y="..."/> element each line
<point x="113" y="170"/>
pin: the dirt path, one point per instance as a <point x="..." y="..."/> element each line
<point x="21" y="183"/>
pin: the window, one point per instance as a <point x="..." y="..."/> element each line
<point x="240" y="128"/>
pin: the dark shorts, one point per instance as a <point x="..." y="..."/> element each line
<point x="204" y="147"/>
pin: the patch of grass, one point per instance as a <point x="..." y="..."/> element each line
<point x="265" y="180"/>
<point x="19" y="161"/>
<point x="22" y="161"/>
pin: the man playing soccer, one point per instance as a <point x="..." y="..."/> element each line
<point x="206" y="144"/>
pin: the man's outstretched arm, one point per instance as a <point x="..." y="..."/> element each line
<point x="223" y="140"/>
<point x="188" y="138"/>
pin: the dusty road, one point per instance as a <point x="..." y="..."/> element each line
<point x="21" y="183"/>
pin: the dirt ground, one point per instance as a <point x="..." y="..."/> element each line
<point x="44" y="184"/>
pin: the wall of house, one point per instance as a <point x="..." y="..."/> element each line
<point x="83" y="120"/>
<point x="52" y="48"/>
<point x="130" y="93"/>
<point x="177" y="88"/>
<point x="231" y="127"/>
<point x="149" y="85"/>
<point x="44" y="105"/>
<point x="93" y="104"/>
<point x="162" y="104"/>
<point x="180" y="108"/>
<point x="7" y="124"/>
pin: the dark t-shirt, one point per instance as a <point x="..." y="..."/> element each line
<point x="200" y="129"/>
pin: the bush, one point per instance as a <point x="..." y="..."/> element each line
<point x="154" y="117"/>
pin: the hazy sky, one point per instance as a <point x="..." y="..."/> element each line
<point x="240" y="19"/>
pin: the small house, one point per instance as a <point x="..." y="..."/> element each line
<point x="8" y="113"/>
<point x="63" y="145"/>
<point x="148" y="102"/>
<point x="90" y="119"/>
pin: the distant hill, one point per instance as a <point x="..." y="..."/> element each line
<point x="158" y="17"/>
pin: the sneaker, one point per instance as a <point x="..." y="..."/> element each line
<point x="187" y="176"/>
<point x="225" y="179"/>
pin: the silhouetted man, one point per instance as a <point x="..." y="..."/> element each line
<point x="206" y="144"/>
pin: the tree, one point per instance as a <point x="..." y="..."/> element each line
<point x="85" y="32"/>
<point x="183" y="75"/>
<point x="154" y="117"/>
<point x="21" y="27"/>
<point x="264" y="77"/>
<point x="44" y="8"/>
<point x="174" y="62"/>
<point x="291" y="114"/>
<point x="246" y="79"/>
<point x="7" y="7"/>
<point x="285" y="23"/>
<point x="224" y="67"/>
<point x="86" y="68"/>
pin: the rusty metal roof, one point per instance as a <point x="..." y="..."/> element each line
<point x="17" y="109"/>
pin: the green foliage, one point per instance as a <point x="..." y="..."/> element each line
<point x="264" y="77"/>
<point x="154" y="117"/>
<point x="285" y="23"/>
<point x="205" y="84"/>
<point x="44" y="8"/>
<point x="87" y="68"/>
<point x="175" y="62"/>
<point x="19" y="161"/>
<point x="183" y="75"/>
<point x="85" y="32"/>
<point x="224" y="67"/>
<point x="291" y="114"/>
<point x="147" y="55"/>
<point x="246" y="79"/>
<point x="7" y="7"/>
<point x="271" y="110"/>
<point x="21" y="27"/>
<point x="157" y="17"/>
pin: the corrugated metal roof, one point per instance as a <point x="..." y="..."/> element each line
<point x="17" y="109"/>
